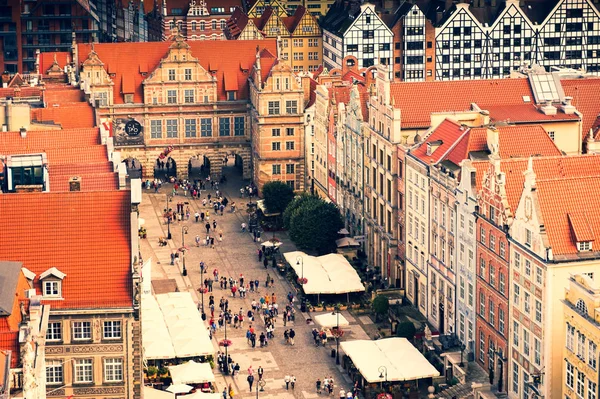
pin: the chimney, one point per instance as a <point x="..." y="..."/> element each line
<point x="548" y="108"/>
<point x="75" y="184"/>
<point x="23" y="132"/>
<point x="567" y="107"/>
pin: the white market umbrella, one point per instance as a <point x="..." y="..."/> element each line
<point x="343" y="232"/>
<point x="270" y="243"/>
<point x="203" y="395"/>
<point x="192" y="373"/>
<point x="347" y="242"/>
<point x="179" y="388"/>
<point x="330" y="320"/>
<point x="151" y="393"/>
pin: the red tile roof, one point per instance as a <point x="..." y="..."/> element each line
<point x="417" y="100"/>
<point x="474" y="140"/>
<point x="88" y="181"/>
<point x="47" y="59"/>
<point x="569" y="213"/>
<point x="340" y="94"/>
<point x="20" y="92"/>
<point x="236" y="24"/>
<point x="85" y="235"/>
<point x="291" y="23"/>
<point x="524" y="113"/>
<point x="67" y="115"/>
<point x="10" y="341"/>
<point x="62" y="94"/>
<point x="443" y="137"/>
<point x="42" y="140"/>
<point x="125" y="59"/>
<point x="585" y="99"/>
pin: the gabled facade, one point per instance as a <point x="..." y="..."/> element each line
<point x="356" y="30"/>
<point x="277" y="113"/>
<point x="260" y="6"/>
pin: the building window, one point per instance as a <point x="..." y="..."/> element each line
<point x="502" y="282"/>
<point x="570" y="338"/>
<point x="502" y="249"/>
<point x="276" y="169"/>
<point x="584" y="246"/>
<point x="592" y="353"/>
<point x="527" y="267"/>
<point x="482" y="235"/>
<point x="515" y="377"/>
<point x="516" y="294"/>
<point x="113" y="370"/>
<point x="538" y="311"/>
<point x="239" y="126"/>
<point x="581" y="345"/>
<point x="482" y="267"/>
<point x="537" y="351"/>
<point x="492" y="275"/>
<point x="538" y="275"/>
<point x="461" y="288"/>
<point x="188" y="97"/>
<point x="492" y="242"/>
<point x="273" y="107"/>
<point x="276" y="132"/>
<point x="580" y="384"/>
<point x="171" y="128"/>
<point x="289" y="131"/>
<point x="481" y="346"/>
<point x="516" y="333"/>
<point x="54" y="372"/>
<point x="224" y="126"/>
<point x="190" y="128"/>
<point x="171" y="74"/>
<point x="84" y="373"/>
<point x="205" y="127"/>
<point x="289" y="145"/>
<point x="54" y="331"/>
<point x="482" y="304"/>
<point x="112" y="329"/>
<point x="581" y="307"/>
<point x="470" y="302"/>
<point x="290" y="168"/>
<point x="291" y="184"/>
<point x="276" y="146"/>
<point x="52" y="288"/>
<point x="569" y="375"/>
<point x="592" y="389"/>
<point x="525" y="342"/>
<point x="82" y="330"/>
<point x="501" y="320"/>
<point x="492" y="316"/>
<point x="156" y="129"/>
<point x="291" y="107"/>
<point x="528" y="237"/>
<point x="171" y="96"/>
<point x="517" y="260"/>
<point x="188" y="72"/>
<point x="527" y="302"/>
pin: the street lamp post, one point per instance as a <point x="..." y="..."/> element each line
<point x="337" y="336"/>
<point x="202" y="267"/>
<point x="300" y="261"/>
<point x="169" y="216"/>
<point x="462" y="349"/>
<point x="184" y="230"/>
<point x="382" y="370"/>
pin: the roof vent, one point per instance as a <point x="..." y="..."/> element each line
<point x="23" y="132"/>
<point x="75" y="184"/>
<point x="526" y="99"/>
<point x="567" y="107"/>
<point x="433" y="145"/>
<point x="548" y="108"/>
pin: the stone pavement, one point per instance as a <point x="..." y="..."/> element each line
<point x="234" y="256"/>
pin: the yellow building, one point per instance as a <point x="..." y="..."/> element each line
<point x="277" y="118"/>
<point x="260" y="6"/>
<point x="315" y="7"/>
<point x="300" y="37"/>
<point x="582" y="326"/>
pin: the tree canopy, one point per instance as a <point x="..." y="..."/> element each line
<point x="277" y="196"/>
<point x="313" y="223"/>
<point x="381" y="305"/>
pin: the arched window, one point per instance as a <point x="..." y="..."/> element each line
<point x="222" y="24"/>
<point x="581" y="307"/>
<point x="214" y="25"/>
<point x="202" y="25"/>
<point x="193" y="25"/>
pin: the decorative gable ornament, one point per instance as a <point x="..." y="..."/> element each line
<point x="53" y="271"/>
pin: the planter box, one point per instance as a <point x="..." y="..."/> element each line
<point x="343" y="307"/>
<point x="329" y="308"/>
<point x="318" y="308"/>
<point x="355" y="306"/>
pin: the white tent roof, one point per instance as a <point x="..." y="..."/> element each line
<point x="402" y="360"/>
<point x="327" y="274"/>
<point x="329" y="320"/>
<point x="347" y="242"/>
<point x="179" y="388"/>
<point x="156" y="339"/>
<point x="172" y="327"/>
<point x="192" y="373"/>
<point x="151" y="393"/>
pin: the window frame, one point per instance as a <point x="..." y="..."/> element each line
<point x="79" y="327"/>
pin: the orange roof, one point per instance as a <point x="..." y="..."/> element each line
<point x="20" y="92"/>
<point x="236" y="23"/>
<point x="291" y="23"/>
<point x="126" y="59"/>
<point x="417" y="100"/>
<point x="41" y="140"/>
<point x="89" y="181"/>
<point x="524" y="113"/>
<point x="62" y="94"/>
<point x="340" y="94"/>
<point x="440" y="141"/>
<point x="525" y="141"/>
<point x="585" y="99"/>
<point x="569" y="212"/>
<point x="545" y="168"/>
<point x="47" y="59"/>
<point x="474" y="140"/>
<point x="10" y="341"/>
<point x="85" y="235"/>
<point x="67" y="115"/>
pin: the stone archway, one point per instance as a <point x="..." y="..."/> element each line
<point x="165" y="168"/>
<point x="237" y="162"/>
<point x="134" y="167"/>
<point x="199" y="167"/>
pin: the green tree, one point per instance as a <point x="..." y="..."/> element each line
<point x="381" y="305"/>
<point x="292" y="206"/>
<point x="313" y="223"/>
<point x="277" y="196"/>
<point x="406" y="330"/>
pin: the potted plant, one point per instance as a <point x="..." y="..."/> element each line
<point x="329" y="308"/>
<point x="152" y="372"/>
<point x="163" y="372"/>
<point x="319" y="307"/>
<point x="355" y="305"/>
<point x="342" y="306"/>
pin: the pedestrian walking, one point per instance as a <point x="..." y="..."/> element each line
<point x="231" y="393"/>
<point x="293" y="381"/>
<point x="260" y="372"/>
<point x="250" y="381"/>
<point x="342" y="393"/>
<point x="318" y="385"/>
<point x="286" y="335"/>
<point x="292" y="336"/>
<point x="287" y="380"/>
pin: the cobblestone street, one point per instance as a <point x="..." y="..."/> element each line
<point x="236" y="255"/>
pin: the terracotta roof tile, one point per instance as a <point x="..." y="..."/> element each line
<point x="585" y="99"/>
<point x="20" y="92"/>
<point x="88" y="181"/>
<point x="42" y="140"/>
<point x="524" y="141"/>
<point x="524" y="113"/>
<point x="126" y="58"/>
<point x="9" y="340"/>
<point x="67" y="115"/>
<point x="292" y="22"/>
<point x="59" y="95"/>
<point x="564" y="204"/>
<point x="85" y="235"/>
<point x="47" y="59"/>
<point x="417" y="100"/>
<point x="443" y="137"/>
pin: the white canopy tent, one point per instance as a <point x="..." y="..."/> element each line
<point x="192" y="373"/>
<point x="330" y="320"/>
<point x="401" y="359"/>
<point x="347" y="242"/>
<point x="327" y="274"/>
<point x="151" y="393"/>
<point x="156" y="339"/>
<point x="179" y="388"/>
<point x="178" y="309"/>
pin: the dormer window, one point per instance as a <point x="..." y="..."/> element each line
<point x="581" y="307"/>
<point x="231" y="95"/>
<point x="584" y="246"/>
<point x="128" y="98"/>
<point x="52" y="283"/>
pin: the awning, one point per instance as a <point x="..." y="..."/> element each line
<point x="151" y="393"/>
<point x="347" y="242"/>
<point x="179" y="388"/>
<point x="156" y="339"/>
<point x="192" y="373"/>
<point x="401" y="361"/>
<point x="327" y="274"/>
<point x="329" y="320"/>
